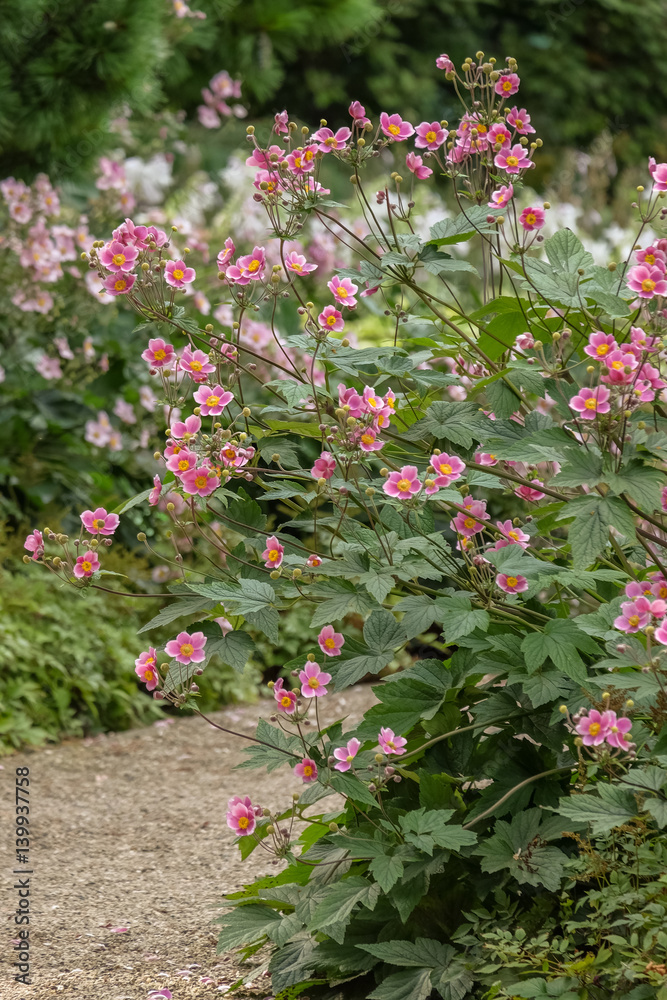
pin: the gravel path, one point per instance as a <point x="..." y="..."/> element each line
<point x="128" y="831"/>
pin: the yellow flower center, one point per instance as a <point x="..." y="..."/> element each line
<point x="342" y="292"/>
<point x="148" y="675"/>
<point x="98" y="523"/>
<point x="602" y="350"/>
<point x="307" y="771"/>
<point x="178" y="274"/>
<point x="649" y="259"/>
<point x="512" y="161"/>
<point x="297" y="162"/>
<point x="330" y="643"/>
<point x="617" y="365"/>
<point x="331" y="141"/>
<point x="308" y="155"/>
<point x="512" y="581"/>
<point x="118" y="259"/>
<point x="313" y="683"/>
<point x="196" y="366"/>
<point x="367" y="438"/>
<point x="213" y="400"/>
<point x="470" y="522"/>
<point x="160" y="354"/>
<point x="229" y="453"/>
<point x="634" y="620"/>
<point x="349" y="759"/>
<point x="590" y="403"/>
<point x="507" y="86"/>
<point x="273" y="555"/>
<point x="86" y="566"/>
<point x="295" y="267"/>
<point x="183" y="465"/>
<point x="594" y="728"/>
<point x="187" y="649"/>
<point x="120" y="284"/>
<point x="403" y="485"/>
<point x="331" y="320"/>
<point x="243" y="822"/>
<point x="446" y="470"/>
<point x="518" y="123"/>
<point x="201" y="481"/>
<point x="394" y="129"/>
<point x="648" y="285"/>
<point x="286" y="701"/>
<point x="430" y="136"/>
<point x="514" y="535"/>
<point x="531" y="218"/>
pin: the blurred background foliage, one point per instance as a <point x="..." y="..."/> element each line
<point x="67" y="68"/>
<point x="79" y="81"/>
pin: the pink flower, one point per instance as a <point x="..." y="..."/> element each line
<point x="358" y="112"/>
<point x="529" y="493"/>
<point x="343" y="290"/>
<point x="650" y="256"/>
<point x="313" y="561"/>
<point x="118" y="257"/>
<point x="658" y="172"/>
<point x="285" y="699"/>
<point x="280" y="122"/>
<point x="98" y="522"/>
<point x="499" y="136"/>
<point x="226" y="255"/>
<point x="368" y="441"/>
<point x="297" y="264"/>
<point x="430" y="135"/>
<point x="196" y="363"/>
<point x="330" y="642"/>
<point x="247" y="268"/>
<point x="181" y="461"/>
<point x="447" y="468"/>
<point x="647" y="281"/>
<point x="350" y="397"/>
<point x="345" y="755"/>
<point x="185" y="429"/>
<point x="145" y="667"/>
<point x="225" y="625"/>
<point x="507" y="85"/>
<point x="186" y="648"/>
<point x="212" y="401"/>
<point x="119" y="284"/>
<point x="178" y="274"/>
<point x="273" y="553"/>
<point x="532" y="218"/>
<point x="241" y="816"/>
<point x="415" y="165"/>
<point x="403" y="484"/>
<point x="511" y="584"/>
<point x="600" y="344"/>
<point x="641" y="340"/>
<point x="306" y="770"/>
<point x="617" y="732"/>
<point x="444" y="62"/>
<point x="513" y="160"/>
<point x="589" y="402"/>
<point x="35" y="543"/>
<point x="324" y="466"/>
<point x="155" y="492"/>
<point x="485" y="458"/>
<point x="158" y="353"/>
<point x="513" y="536"/>
<point x="519" y="119"/>
<point x="86" y="565"/>
<point x="660" y="635"/>
<point x="501" y="197"/>
<point x="634" y="617"/>
<point x="595" y="727"/>
<point x="201" y="482"/>
<point x="395" y="128"/>
<point x="331" y="319"/>
<point x="313" y="680"/>
<point x="390" y="743"/>
<point x="328" y="140"/>
<point x="469" y="524"/>
<point x="235" y="457"/>
<point x="620" y="368"/>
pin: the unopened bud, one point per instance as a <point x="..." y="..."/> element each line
<point x="141" y="537"/>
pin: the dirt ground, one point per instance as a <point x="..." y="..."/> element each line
<point x="131" y="854"/>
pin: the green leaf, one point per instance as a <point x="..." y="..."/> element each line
<point x="517" y="846"/>
<point x="292" y="963"/>
<point x="132" y="502"/>
<point x="248" y="514"/>
<point x="386" y="870"/>
<point x="235" y="649"/>
<point x="422" y="952"/>
<point x="611" y="808"/>
<point x="345" y="599"/>
<point x="411" y="984"/>
<point x="250" y="598"/>
<point x="504" y="320"/>
<point x="351" y="786"/>
<point x="641" y="483"/>
<point x="579" y="466"/>
<point x="246" y="924"/>
<point x="460" y="423"/>
<point x="502" y="400"/>
<point x="382" y="632"/>
<point x="419" y="613"/>
<point x="427" y="828"/>
<point x="560" y="641"/>
<point x="566" y="252"/>
<point x="463" y="227"/>
<point x="460" y="618"/>
<point x="179" y="609"/>
<point x="341" y="899"/>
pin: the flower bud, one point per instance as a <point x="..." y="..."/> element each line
<point x="141" y="537"/>
<point x="333" y="827"/>
<point x="605" y="695"/>
<point x="246" y="411"/>
<point x="295" y="796"/>
<point x="270" y="829"/>
<point x="562" y="709"/>
<point x="379" y="758"/>
<point x="274" y="574"/>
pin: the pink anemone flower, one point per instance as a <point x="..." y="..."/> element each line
<point x="345" y="755"/>
<point x="391" y="744"/>
<point x="186" y="648"/>
<point x="330" y="641"/>
<point x="98" y="522"/>
<point x="403" y="484"/>
<point x="313" y="680"/>
<point x="306" y="770"/>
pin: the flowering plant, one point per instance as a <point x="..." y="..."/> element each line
<point x="481" y="499"/>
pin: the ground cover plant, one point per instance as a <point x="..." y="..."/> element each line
<point x="480" y="498"/>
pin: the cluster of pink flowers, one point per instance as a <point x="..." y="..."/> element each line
<point x="121" y="259"/>
<point x="215" y="108"/>
<point x="596" y="728"/>
<point x="648" y="278"/>
<point x="371" y="414"/>
<point x="647" y="605"/>
<point x="626" y="372"/>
